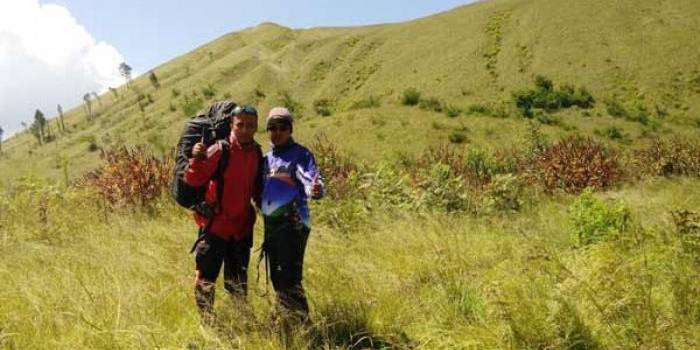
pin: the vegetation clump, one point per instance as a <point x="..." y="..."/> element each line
<point x="574" y="164"/>
<point x="410" y="97"/>
<point x="545" y="97"/>
<point x="131" y="177"/>
<point x="371" y="101"/>
<point x="668" y="157"/>
<point x="323" y="107"/>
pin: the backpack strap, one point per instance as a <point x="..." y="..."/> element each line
<point x="219" y="173"/>
<point x="218" y="177"/>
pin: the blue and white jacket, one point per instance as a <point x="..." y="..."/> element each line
<point x="289" y="172"/>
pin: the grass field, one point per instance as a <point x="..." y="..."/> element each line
<point x="77" y="277"/>
<point x="491" y="243"/>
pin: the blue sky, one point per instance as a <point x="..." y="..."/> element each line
<point x="151" y="32"/>
<point x="56" y="51"/>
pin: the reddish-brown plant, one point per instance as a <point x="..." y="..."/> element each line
<point x="573" y="164"/>
<point x="131" y="176"/>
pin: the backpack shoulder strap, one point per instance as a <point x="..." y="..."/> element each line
<point x="219" y="174"/>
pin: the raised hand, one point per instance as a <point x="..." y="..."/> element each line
<point x="316" y="187"/>
<point x="199" y="151"/>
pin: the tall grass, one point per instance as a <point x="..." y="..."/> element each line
<point x="81" y="275"/>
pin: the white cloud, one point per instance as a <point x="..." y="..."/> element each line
<point x="47" y="58"/>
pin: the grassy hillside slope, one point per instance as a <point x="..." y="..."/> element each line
<point x="641" y="56"/>
<point x="512" y="238"/>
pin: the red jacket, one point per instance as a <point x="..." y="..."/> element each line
<point x="235" y="217"/>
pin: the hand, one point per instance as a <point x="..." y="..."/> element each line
<point x="316" y="188"/>
<point x="199" y="151"/>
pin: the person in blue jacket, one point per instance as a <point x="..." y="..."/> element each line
<point x="290" y="177"/>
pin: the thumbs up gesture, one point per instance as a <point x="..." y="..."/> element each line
<point x="316" y="187"/>
<point x="199" y="151"/>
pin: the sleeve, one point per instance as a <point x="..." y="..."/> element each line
<point x="307" y="173"/>
<point x="199" y="171"/>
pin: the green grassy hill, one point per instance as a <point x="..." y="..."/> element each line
<point x="641" y="56"/>
<point x="491" y="243"/>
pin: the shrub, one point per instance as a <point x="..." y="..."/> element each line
<point x="474" y="168"/>
<point x="452" y="111"/>
<point x="479" y="109"/>
<point x="457" y="137"/>
<point x="390" y="188"/>
<point x="613" y="133"/>
<point x="546" y="118"/>
<point x="323" y="107"/>
<point x="288" y="102"/>
<point x="369" y="102"/>
<point x="504" y="193"/>
<point x="130" y="177"/>
<point x="593" y="220"/>
<point x="635" y="112"/>
<point x="410" y="97"/>
<point x="479" y="163"/>
<point x="336" y="167"/>
<point x="93" y="147"/>
<point x="688" y="228"/>
<point x="443" y="190"/>
<point x="259" y="93"/>
<point x="667" y="157"/>
<point x="574" y="164"/>
<point x="209" y="91"/>
<point x="430" y="104"/>
<point x="545" y="96"/>
<point x="615" y="109"/>
<point x="192" y="105"/>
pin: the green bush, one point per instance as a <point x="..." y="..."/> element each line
<point x="323" y="107"/>
<point x="209" y="91"/>
<point x="443" y="190"/>
<point x="390" y="188"/>
<point x="430" y="104"/>
<point x="369" y="102"/>
<point x="688" y="228"/>
<point x="452" y="111"/>
<point x="635" y="112"/>
<point x="410" y="97"/>
<point x="504" y="193"/>
<point x="478" y="109"/>
<point x="593" y="220"/>
<point x="615" y="109"/>
<point x="457" y="137"/>
<point x="545" y="96"/>
<point x="480" y="163"/>
<point x="292" y="105"/>
<point x="614" y="133"/>
<point x="192" y="105"/>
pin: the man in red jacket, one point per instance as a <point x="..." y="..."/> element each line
<point x="229" y="236"/>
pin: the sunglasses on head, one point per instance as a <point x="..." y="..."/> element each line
<point x="250" y="110"/>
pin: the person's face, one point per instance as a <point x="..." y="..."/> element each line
<point x="244" y="127"/>
<point x="279" y="134"/>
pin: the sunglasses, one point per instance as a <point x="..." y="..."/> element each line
<point x="276" y="128"/>
<point x="250" y="110"/>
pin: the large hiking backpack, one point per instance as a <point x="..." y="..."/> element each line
<point x="213" y="126"/>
